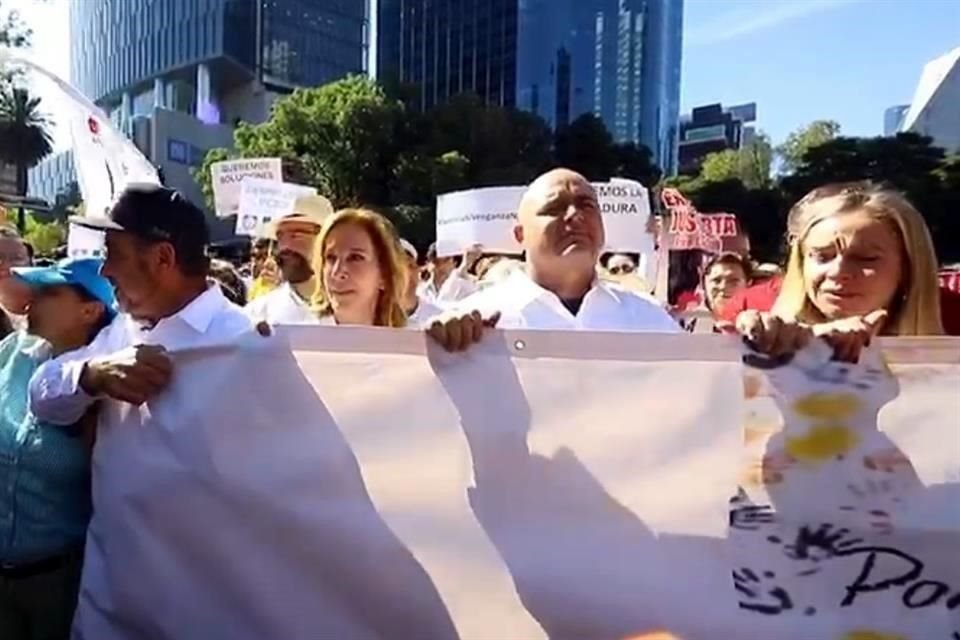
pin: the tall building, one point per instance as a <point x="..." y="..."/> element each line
<point x="893" y="119"/>
<point x="560" y="59"/>
<point x="935" y="110"/>
<point x="177" y="75"/>
<point x="710" y="129"/>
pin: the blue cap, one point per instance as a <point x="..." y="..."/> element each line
<point x="80" y="272"/>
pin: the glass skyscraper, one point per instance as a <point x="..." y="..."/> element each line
<point x="618" y="59"/>
<point x="201" y="56"/>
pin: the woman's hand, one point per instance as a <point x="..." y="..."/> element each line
<point x="850" y="336"/>
<point x="772" y="335"/>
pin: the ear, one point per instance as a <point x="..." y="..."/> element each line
<point x="165" y="256"/>
<point x="518" y="233"/>
<point x="91" y="311"/>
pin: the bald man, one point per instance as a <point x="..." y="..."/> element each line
<point x="561" y="231"/>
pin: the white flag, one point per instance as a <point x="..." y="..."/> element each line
<point x="106" y="160"/>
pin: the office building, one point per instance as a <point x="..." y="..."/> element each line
<point x="935" y="110"/>
<point x="178" y="75"/>
<point x="710" y="129"/>
<point x="893" y="119"/>
<point x="559" y="59"/>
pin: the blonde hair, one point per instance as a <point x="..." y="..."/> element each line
<point x="386" y="245"/>
<point x="916" y="308"/>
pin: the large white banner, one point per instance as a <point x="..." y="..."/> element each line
<point x="487" y="217"/>
<point x="367" y="485"/>
<point x="262" y="201"/>
<point x="106" y="160"/>
<point x="228" y="176"/>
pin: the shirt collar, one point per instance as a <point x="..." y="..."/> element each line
<point x="199" y="313"/>
<point x="528" y="290"/>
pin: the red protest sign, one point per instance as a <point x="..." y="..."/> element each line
<point x="690" y="229"/>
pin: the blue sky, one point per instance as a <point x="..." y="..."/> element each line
<point x="803" y="60"/>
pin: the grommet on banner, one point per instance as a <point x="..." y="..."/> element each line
<point x="519" y="345"/>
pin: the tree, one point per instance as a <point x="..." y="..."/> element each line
<point x="44" y="237"/>
<point x="342" y="136"/>
<point x="586" y="146"/>
<point x="25" y="137"/>
<point x="636" y="163"/>
<point x="798" y="143"/>
<point x="721" y="166"/>
<point x="756" y="160"/>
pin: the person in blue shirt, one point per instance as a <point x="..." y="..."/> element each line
<point x="45" y="469"/>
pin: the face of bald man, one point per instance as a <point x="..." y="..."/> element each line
<point x="559" y="222"/>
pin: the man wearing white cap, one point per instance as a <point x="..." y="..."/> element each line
<point x="419" y="309"/>
<point x="296" y="234"/>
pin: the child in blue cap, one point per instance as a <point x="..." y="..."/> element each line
<point x="45" y="469"/>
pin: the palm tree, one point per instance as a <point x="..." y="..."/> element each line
<point x="25" y="137"/>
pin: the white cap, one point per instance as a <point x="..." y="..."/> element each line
<point x="409" y="249"/>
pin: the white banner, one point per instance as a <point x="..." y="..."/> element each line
<point x="262" y="201"/>
<point x="227" y="178"/>
<point x="83" y="242"/>
<point x="537" y="486"/>
<point x="487" y="217"/>
<point x="106" y="160"/>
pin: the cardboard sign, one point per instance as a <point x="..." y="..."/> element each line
<point x="228" y="176"/>
<point x="690" y="229"/>
<point x="262" y="201"/>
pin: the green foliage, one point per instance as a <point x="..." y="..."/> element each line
<point x="798" y="143"/>
<point x="44" y="237"/>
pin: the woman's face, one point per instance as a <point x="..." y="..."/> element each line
<point x="853" y="264"/>
<point x="352" y="274"/>
<point x="722" y="282"/>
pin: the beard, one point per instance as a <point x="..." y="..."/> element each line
<point x="294" y="267"/>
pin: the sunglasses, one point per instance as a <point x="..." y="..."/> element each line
<point x="624" y="269"/>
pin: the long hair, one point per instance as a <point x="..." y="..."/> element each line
<point x="916" y="307"/>
<point x="386" y="245"/>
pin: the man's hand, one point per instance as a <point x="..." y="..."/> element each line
<point x="458" y="333"/>
<point x="133" y="375"/>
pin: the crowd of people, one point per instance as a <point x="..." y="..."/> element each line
<point x="85" y="338"/>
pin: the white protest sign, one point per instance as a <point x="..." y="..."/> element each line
<point x="487" y="217"/>
<point x="83" y="242"/>
<point x="106" y="160"/>
<point x="478" y="216"/>
<point x="227" y="178"/>
<point x="262" y="201"/>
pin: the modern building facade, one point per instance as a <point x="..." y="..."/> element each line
<point x="935" y="110"/>
<point x="560" y="59"/>
<point x="893" y="119"/>
<point x="178" y="75"/>
<point x="710" y="129"/>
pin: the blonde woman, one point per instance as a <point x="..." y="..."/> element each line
<point x="361" y="270"/>
<point x="861" y="264"/>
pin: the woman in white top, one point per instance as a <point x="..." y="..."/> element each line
<point x="361" y="271"/>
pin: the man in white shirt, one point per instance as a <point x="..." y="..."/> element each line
<point x="419" y="310"/>
<point x="296" y="236"/>
<point x="561" y="231"/>
<point x="449" y="283"/>
<point x="156" y="260"/>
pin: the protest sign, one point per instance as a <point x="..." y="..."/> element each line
<point x="262" y="201"/>
<point x="579" y="488"/>
<point x="83" y="242"/>
<point x="478" y="216"/>
<point x="227" y="178"/>
<point x="487" y="217"/>
<point x="690" y="229"/>
<point x="106" y="160"/>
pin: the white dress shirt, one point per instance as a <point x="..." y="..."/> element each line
<point x="283" y="305"/>
<point x="55" y="393"/>
<point x="455" y="288"/>
<point x="423" y="314"/>
<point x="121" y="451"/>
<point x="523" y="304"/>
